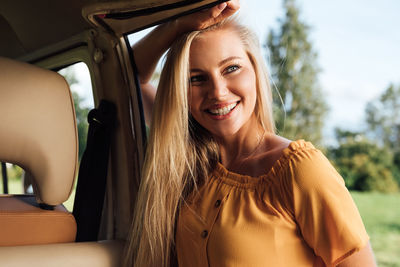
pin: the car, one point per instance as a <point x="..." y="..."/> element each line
<point x="38" y="126"/>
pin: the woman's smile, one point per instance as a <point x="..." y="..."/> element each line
<point x="221" y="111"/>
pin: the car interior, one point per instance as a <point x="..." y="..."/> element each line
<point x="38" y="126"/>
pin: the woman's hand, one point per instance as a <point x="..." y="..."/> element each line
<point x="205" y="18"/>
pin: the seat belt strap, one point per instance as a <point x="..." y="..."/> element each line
<point x="90" y="190"/>
<point x="5" y="177"/>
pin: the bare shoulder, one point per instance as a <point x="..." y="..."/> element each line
<point x="273" y="148"/>
<point x="277" y="143"/>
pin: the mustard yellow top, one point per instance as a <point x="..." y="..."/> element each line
<point x="298" y="214"/>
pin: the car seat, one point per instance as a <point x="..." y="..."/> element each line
<point x="37" y="133"/>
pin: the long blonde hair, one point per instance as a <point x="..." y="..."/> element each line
<point x="181" y="154"/>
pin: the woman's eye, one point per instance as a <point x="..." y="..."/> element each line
<point x="197" y="79"/>
<point x="232" y="68"/>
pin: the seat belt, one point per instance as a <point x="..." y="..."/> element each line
<point x="90" y="190"/>
<point x="5" y="177"/>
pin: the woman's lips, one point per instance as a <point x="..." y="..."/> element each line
<point x="222" y="111"/>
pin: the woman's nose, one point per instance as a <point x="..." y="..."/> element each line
<point x="218" y="88"/>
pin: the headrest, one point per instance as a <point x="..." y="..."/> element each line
<point x="38" y="128"/>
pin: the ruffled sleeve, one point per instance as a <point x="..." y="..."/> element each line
<point x="322" y="206"/>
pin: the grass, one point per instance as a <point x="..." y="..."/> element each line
<point x="381" y="216"/>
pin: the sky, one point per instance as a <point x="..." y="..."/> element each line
<point x="358" y="47"/>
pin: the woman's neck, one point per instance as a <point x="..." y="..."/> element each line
<point x="252" y="152"/>
<point x="243" y="145"/>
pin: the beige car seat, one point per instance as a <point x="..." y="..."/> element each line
<point x="38" y="133"/>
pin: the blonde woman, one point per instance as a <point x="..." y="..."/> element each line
<point x="219" y="187"/>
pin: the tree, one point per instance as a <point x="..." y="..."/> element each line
<point x="383" y="118"/>
<point x="295" y="74"/>
<point x="383" y="121"/>
<point x="364" y="165"/>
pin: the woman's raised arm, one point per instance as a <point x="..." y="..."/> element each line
<point x="150" y="48"/>
<point x="147" y="53"/>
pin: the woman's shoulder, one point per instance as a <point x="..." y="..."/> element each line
<point x="294" y="158"/>
<point x="301" y="148"/>
<point x="278" y="143"/>
<point x="301" y="153"/>
<point x="285" y="149"/>
<point x="280" y="151"/>
<point x="305" y="165"/>
<point x="278" y="146"/>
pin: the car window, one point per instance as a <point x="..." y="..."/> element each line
<point x="12" y="179"/>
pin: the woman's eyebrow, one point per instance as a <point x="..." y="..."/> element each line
<point x="222" y="62"/>
<point x="195" y="70"/>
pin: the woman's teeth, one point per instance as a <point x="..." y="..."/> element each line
<point x="223" y="111"/>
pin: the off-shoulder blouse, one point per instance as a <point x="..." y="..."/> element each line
<point x="298" y="214"/>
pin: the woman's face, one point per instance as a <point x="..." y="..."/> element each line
<point x="223" y="83"/>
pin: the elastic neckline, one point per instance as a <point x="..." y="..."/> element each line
<point x="242" y="180"/>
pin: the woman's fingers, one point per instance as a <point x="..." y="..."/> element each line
<point x="222" y="6"/>
<point x="220" y="12"/>
<point x="215" y="14"/>
<point x="225" y="10"/>
<point x="234" y="4"/>
<point x="231" y="8"/>
<point x="208" y="17"/>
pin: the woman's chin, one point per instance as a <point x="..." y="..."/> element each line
<point x="223" y="133"/>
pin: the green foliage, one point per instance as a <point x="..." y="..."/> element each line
<point x="383" y="119"/>
<point x="295" y="72"/>
<point x="373" y="165"/>
<point x="363" y="164"/>
<point x="14" y="172"/>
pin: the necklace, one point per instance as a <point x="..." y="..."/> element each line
<point x="261" y="138"/>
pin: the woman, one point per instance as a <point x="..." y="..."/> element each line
<point x="219" y="187"/>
